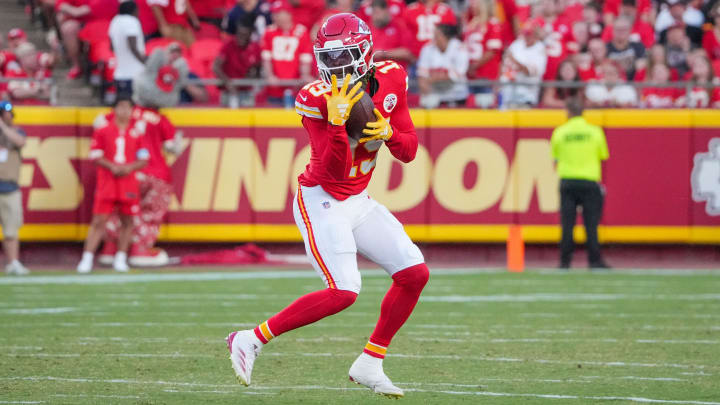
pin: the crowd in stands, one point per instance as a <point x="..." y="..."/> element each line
<point x="519" y="49"/>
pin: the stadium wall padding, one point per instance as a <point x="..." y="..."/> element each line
<point x="476" y="173"/>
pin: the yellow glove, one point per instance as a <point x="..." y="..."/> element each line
<point x="378" y="130"/>
<point x="340" y="102"/>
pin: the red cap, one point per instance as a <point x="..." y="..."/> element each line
<point x="166" y="78"/>
<point x="16" y="33"/>
<point x="280" y="5"/>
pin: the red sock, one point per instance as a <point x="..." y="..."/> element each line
<point x="305" y="310"/>
<point x="396" y="307"/>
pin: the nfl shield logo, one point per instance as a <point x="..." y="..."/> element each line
<point x="326" y="205"/>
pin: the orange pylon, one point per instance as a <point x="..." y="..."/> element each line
<point x="515" y="249"/>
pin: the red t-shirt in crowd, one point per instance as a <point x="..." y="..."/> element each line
<point x="557" y="44"/>
<point x="479" y="41"/>
<point x="308" y="12"/>
<point x="392" y="36"/>
<point x="286" y="50"/>
<point x="711" y="44"/>
<point x="174" y="11"/>
<point x="74" y="3"/>
<point x="209" y="8"/>
<point x="396" y="7"/>
<point x="237" y="61"/>
<point x="421" y="22"/>
<point x="613" y="7"/>
<point x="660" y="97"/>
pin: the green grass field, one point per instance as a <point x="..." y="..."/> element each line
<point x="476" y="337"/>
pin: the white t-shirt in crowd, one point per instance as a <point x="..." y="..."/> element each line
<point x="533" y="57"/>
<point x="123" y="26"/>
<point x="455" y="60"/>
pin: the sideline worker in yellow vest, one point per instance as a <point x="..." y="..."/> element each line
<point x="579" y="148"/>
<point x="12" y="139"/>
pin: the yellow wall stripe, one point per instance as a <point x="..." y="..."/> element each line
<point x="449" y="118"/>
<point x="419" y="233"/>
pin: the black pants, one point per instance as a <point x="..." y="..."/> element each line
<point x="589" y="196"/>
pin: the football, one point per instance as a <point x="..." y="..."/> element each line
<point x="361" y="114"/>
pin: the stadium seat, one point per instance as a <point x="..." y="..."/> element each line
<point x="203" y="52"/>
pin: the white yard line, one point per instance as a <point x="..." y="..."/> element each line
<point x="35" y="311"/>
<point x="545" y="340"/>
<point x="327" y="388"/>
<point x="96" y="396"/>
<point x="393" y="355"/>
<point x="296" y="274"/>
<point x="561" y="297"/>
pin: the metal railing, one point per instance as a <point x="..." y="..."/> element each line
<point x="257" y="85"/>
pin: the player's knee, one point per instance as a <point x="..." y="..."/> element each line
<point x="413" y="278"/>
<point x="344" y="298"/>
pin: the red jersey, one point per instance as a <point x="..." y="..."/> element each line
<point x="613" y="7"/>
<point x="343" y="167"/>
<point x="174" y="11"/>
<point x="660" y="97"/>
<point x="421" y="22"/>
<point x="158" y="130"/>
<point x="392" y="36"/>
<point x="119" y="148"/>
<point x="396" y="7"/>
<point x="505" y="11"/>
<point x="238" y="61"/>
<point x="479" y="41"/>
<point x="75" y="3"/>
<point x="308" y="12"/>
<point x="5" y="58"/>
<point x="701" y="98"/>
<point x="286" y="50"/>
<point x="558" y="43"/>
<point x="711" y="44"/>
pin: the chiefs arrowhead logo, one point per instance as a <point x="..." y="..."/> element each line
<point x="390" y="102"/>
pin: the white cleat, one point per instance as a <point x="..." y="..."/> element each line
<point x="15" y="268"/>
<point x="120" y="266"/>
<point x="244" y="348"/>
<point x="368" y="371"/>
<point x="85" y="266"/>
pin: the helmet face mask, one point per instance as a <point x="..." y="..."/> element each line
<point x="343" y="61"/>
<point x="343" y="47"/>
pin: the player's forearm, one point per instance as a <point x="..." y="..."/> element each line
<point x="337" y="155"/>
<point x="403" y="145"/>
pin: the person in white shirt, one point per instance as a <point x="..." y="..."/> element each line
<point x="128" y="43"/>
<point x="525" y="61"/>
<point x="442" y="69"/>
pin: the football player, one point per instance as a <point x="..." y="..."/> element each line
<point x="332" y="209"/>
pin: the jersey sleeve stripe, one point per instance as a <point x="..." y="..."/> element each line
<point x="306" y="107"/>
<point x="311" y="241"/>
<point x="303" y="110"/>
